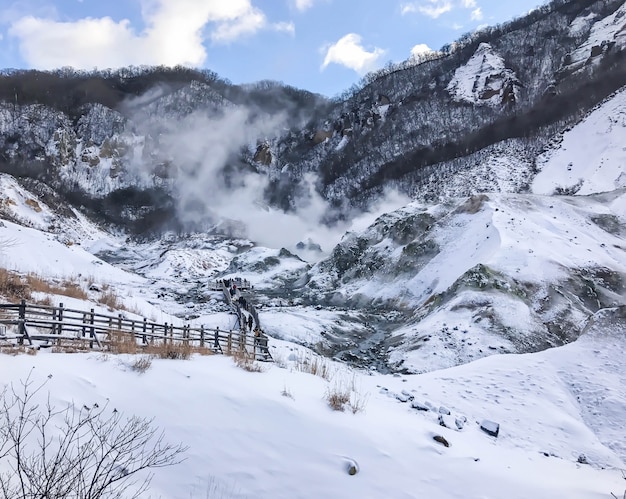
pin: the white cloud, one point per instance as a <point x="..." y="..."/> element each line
<point x="302" y="5"/>
<point x="420" y="49"/>
<point x="247" y="24"/>
<point x="349" y="52"/>
<point x="173" y="35"/>
<point x="285" y="27"/>
<point x="477" y="14"/>
<point x="430" y="8"/>
<point x="436" y="8"/>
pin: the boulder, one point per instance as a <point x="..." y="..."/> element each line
<point x="490" y="427"/>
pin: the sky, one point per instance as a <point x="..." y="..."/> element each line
<point x="324" y="46"/>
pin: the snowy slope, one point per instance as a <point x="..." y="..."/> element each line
<point x="606" y="34"/>
<point x="493" y="273"/>
<point x="246" y="439"/>
<point x="591" y="156"/>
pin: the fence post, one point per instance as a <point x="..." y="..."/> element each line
<point x="165" y="334"/>
<point x="230" y="342"/>
<point x="143" y="328"/>
<point x="60" y="327"/>
<point x="93" y="331"/>
<point x="22" y="321"/>
<point x="202" y="336"/>
<point x="119" y="321"/>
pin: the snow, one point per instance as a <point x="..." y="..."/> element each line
<point x="591" y="154"/>
<point x="249" y="440"/>
<point x="271" y="434"/>
<point x="611" y="29"/>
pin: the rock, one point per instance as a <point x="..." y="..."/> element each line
<point x="352" y="467"/>
<point x="402" y="397"/>
<point x="460" y="422"/>
<point x="419" y="406"/>
<point x="444" y="410"/>
<point x="441" y="440"/>
<point x="490" y="428"/>
<point x="582" y="459"/>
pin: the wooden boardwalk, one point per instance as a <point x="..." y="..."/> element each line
<point x="45" y="325"/>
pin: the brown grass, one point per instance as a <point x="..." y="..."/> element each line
<point x="337" y="398"/>
<point x="176" y="350"/>
<point x="71" y="346"/>
<point x="346" y="395"/>
<point x="13" y="287"/>
<point x="120" y="342"/>
<point x="17" y="350"/>
<point x="318" y="366"/>
<point x="110" y="300"/>
<point x="246" y="362"/>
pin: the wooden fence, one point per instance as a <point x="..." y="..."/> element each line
<point x="48" y="326"/>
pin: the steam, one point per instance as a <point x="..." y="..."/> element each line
<point x="197" y="149"/>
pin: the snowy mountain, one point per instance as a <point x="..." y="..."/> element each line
<point x="445" y="245"/>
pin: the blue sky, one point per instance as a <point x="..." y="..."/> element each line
<point x="321" y="45"/>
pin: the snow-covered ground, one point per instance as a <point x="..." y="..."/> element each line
<point x="272" y="434"/>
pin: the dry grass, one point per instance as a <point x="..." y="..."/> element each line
<point x="67" y="287"/>
<point x="110" y="300"/>
<point x="318" y="366"/>
<point x="13" y="287"/>
<point x="175" y="350"/>
<point x="121" y="342"/>
<point x="337" y="398"/>
<point x="17" y="350"/>
<point x="71" y="346"/>
<point x="246" y="362"/>
<point x="346" y="395"/>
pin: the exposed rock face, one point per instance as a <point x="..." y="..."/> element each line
<point x="321" y="135"/>
<point x="263" y="155"/>
<point x="484" y="79"/>
<point x="606" y="35"/>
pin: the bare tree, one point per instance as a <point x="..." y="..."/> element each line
<point x="79" y="453"/>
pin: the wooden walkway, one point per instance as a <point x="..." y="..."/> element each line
<point x="45" y="325"/>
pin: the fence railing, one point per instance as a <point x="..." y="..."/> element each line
<point x="49" y="325"/>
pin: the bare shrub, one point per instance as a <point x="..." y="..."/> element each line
<point x="121" y="342"/>
<point x="141" y="364"/>
<point x="87" y="453"/>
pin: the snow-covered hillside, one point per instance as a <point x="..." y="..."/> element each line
<point x="590" y="157"/>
